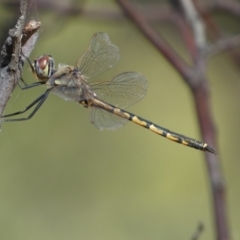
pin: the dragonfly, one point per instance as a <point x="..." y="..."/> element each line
<point x="106" y="99"/>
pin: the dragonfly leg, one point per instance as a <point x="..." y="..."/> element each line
<point x="29" y="62"/>
<point x="39" y="101"/>
<point x="26" y="86"/>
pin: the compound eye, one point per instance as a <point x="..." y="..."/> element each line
<point x="44" y="66"/>
<point x="43" y="62"/>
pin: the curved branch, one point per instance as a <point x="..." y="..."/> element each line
<point x="195" y="77"/>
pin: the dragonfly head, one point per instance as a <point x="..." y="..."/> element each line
<point x="43" y="67"/>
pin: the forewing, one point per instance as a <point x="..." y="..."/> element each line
<point x="100" y="56"/>
<point x="123" y="90"/>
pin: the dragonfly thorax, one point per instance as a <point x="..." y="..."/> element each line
<point x="44" y="67"/>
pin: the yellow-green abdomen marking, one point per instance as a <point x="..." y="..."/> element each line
<point x="190" y="142"/>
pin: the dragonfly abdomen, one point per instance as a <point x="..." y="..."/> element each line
<point x="190" y="142"/>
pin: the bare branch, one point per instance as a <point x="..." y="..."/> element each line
<point x="21" y="40"/>
<point x="197" y="81"/>
<point x="196" y="23"/>
<point x="227" y="5"/>
<point x="224" y="44"/>
<point x="152" y="35"/>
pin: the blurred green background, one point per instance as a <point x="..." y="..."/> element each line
<point x="61" y="178"/>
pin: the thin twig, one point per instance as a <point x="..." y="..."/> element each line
<point x="223" y="45"/>
<point x="226" y="5"/>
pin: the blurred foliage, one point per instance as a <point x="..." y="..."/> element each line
<point x="63" y="179"/>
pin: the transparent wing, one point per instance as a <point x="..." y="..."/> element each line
<point x="123" y="90"/>
<point x="102" y="119"/>
<point x="100" y="56"/>
<point x="66" y="93"/>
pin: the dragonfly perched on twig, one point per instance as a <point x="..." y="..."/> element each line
<point x="105" y="99"/>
